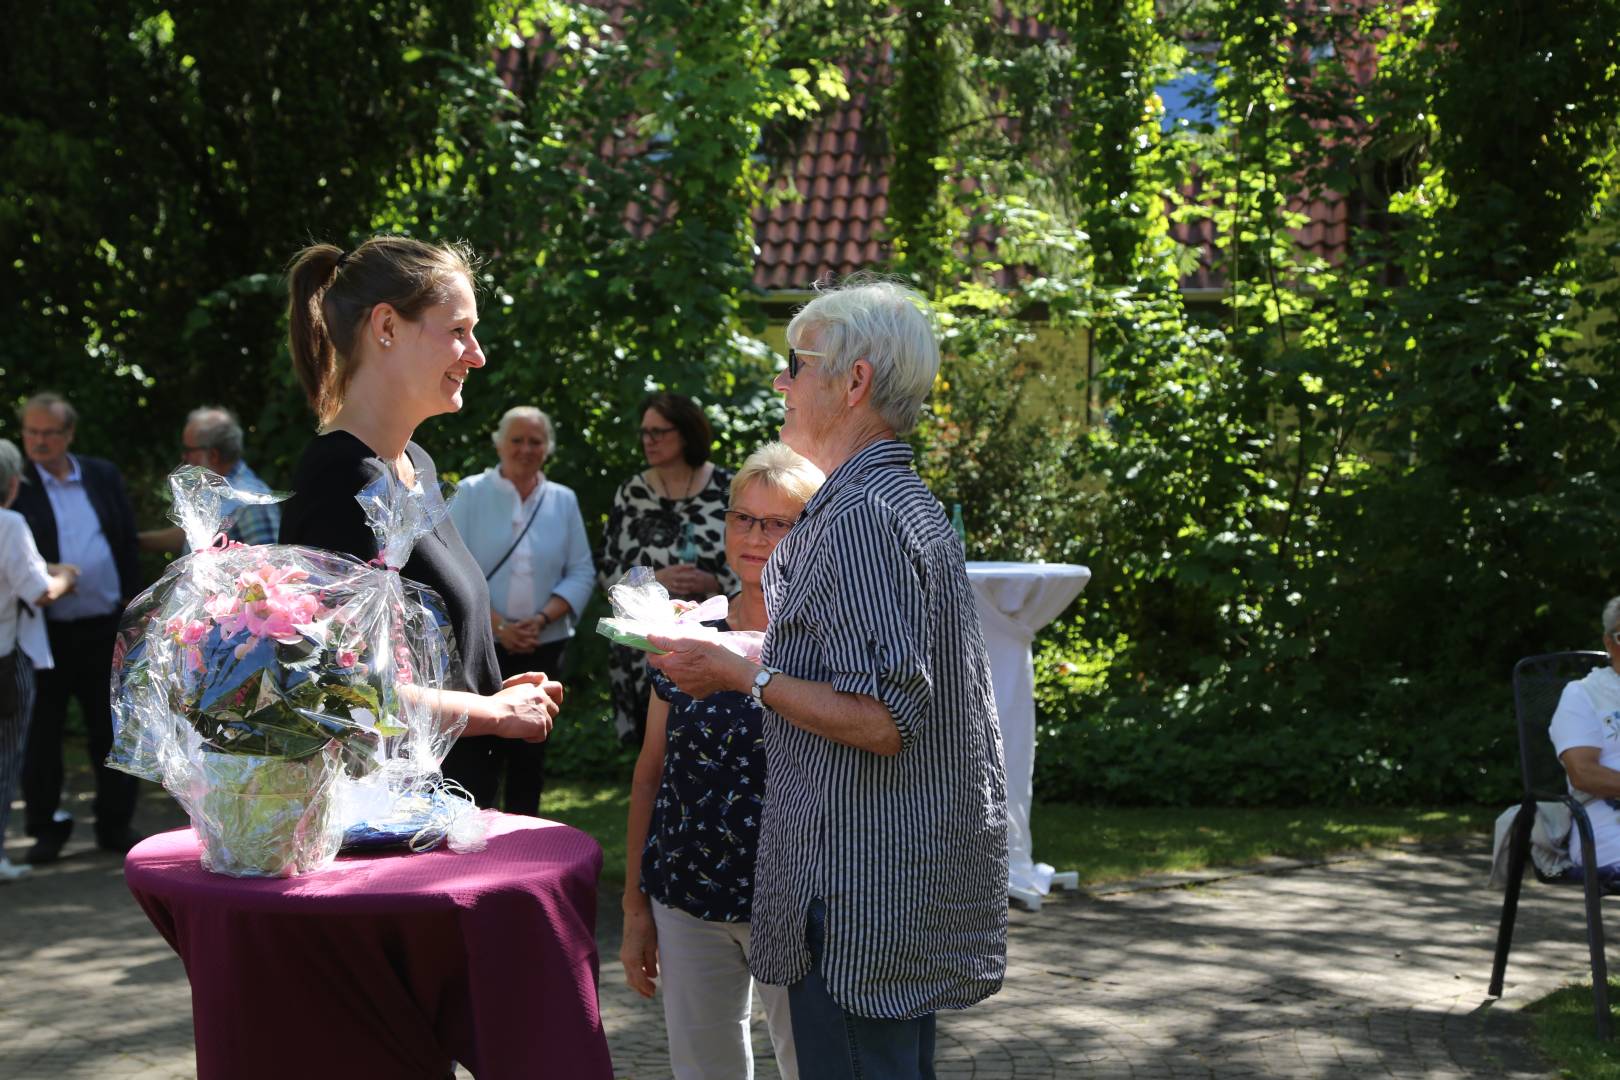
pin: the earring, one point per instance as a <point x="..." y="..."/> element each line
<point x="385" y="342"/>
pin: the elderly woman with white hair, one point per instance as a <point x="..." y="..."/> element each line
<point x="27" y="583"/>
<point x="528" y="537"/>
<point x="1585" y="731"/>
<point x="880" y="884"/>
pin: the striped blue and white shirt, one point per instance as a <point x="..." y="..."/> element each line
<point x="869" y="592"/>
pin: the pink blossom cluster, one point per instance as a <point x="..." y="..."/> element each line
<point x="265" y="603"/>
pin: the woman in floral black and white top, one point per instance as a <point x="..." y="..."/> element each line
<point x="671" y="517"/>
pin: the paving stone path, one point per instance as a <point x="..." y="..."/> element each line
<point x="1372" y="966"/>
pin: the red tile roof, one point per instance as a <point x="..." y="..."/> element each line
<point x="835" y="226"/>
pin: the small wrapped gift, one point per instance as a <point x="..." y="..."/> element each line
<point x="642" y="606"/>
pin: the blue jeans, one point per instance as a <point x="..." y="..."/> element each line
<point x="1608" y="876"/>
<point x="836" y="1045"/>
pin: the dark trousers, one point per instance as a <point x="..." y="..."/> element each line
<point x="82" y="650"/>
<point x="836" y="1045"/>
<point x="480" y="764"/>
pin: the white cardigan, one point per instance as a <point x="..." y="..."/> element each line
<point x="559" y="552"/>
<point x="22" y="577"/>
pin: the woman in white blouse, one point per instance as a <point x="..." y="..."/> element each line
<point x="529" y="538"/>
<point x="27" y="583"/>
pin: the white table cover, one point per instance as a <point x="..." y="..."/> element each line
<point x="1015" y="600"/>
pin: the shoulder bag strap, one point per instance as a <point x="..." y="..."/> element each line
<point x="532" y="515"/>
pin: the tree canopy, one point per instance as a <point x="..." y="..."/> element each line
<point x="1325" y="512"/>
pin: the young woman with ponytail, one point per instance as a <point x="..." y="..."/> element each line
<point x="382" y="338"/>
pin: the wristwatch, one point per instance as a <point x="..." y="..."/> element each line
<point x="762" y="679"/>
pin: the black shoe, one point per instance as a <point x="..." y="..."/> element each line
<point x="61" y="819"/>
<point x="119" y="841"/>
<point x="51" y="839"/>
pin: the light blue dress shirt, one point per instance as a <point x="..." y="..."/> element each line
<point x="82" y="543"/>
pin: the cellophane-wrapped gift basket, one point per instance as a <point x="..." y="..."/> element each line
<point x="289" y="698"/>
<point x="642" y="606"/>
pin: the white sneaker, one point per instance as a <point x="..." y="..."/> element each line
<point x="10" y="871"/>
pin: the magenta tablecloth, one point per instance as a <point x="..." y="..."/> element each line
<point x="390" y="965"/>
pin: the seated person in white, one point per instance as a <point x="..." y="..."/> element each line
<point x="1586" y="733"/>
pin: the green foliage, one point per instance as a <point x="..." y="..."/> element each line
<point x="1340" y="515"/>
<point x="1324" y="515"/>
<point x="161" y="164"/>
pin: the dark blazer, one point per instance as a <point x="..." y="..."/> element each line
<point x="111" y="503"/>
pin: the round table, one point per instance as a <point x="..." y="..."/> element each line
<point x="392" y="965"/>
<point x="1015" y="600"/>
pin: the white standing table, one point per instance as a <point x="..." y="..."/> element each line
<point x="1015" y="600"/>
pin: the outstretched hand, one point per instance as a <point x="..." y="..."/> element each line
<point x="700" y="667"/>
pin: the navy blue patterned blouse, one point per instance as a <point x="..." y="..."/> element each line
<point x="704" y="830"/>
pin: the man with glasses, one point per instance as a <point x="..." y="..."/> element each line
<point x="79" y="513"/>
<point x="212" y="438"/>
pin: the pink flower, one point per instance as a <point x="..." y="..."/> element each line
<point x="268" y="580"/>
<point x="193" y="632"/>
<point x="347" y="658"/>
<point x="272" y="606"/>
<point x="402" y="664"/>
<point x="226" y="611"/>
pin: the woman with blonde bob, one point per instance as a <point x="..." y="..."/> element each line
<point x="695" y="807"/>
<point x="384" y="337"/>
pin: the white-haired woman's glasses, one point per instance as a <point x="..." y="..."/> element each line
<point x="793" y="360"/>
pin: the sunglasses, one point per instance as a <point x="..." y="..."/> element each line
<point x="793" y="360"/>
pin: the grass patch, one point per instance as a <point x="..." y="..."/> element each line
<point x="596" y="807"/>
<point x="1564" y="1031"/>
<point x="1114" y="843"/>
<point x="1106" y="844"/>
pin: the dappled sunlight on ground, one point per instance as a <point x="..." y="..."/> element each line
<point x="1372" y="965"/>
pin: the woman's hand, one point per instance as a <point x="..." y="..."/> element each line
<point x="639" y="952"/>
<point x="62" y="578"/>
<point x="525" y="706"/>
<point x="519" y="637"/>
<point x="552" y="687"/>
<point x="700" y="667"/>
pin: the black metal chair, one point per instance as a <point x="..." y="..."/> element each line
<point x="1538" y="681"/>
